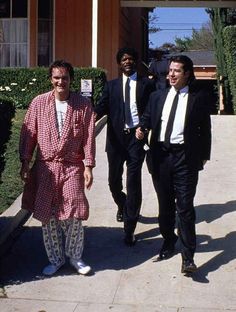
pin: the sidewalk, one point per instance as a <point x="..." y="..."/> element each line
<point x="128" y="279"/>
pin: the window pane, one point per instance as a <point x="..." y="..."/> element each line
<point x="19" y="8"/>
<point x="45" y="32"/>
<point x="4" y="8"/>
<point x="13" y="42"/>
<point x="18" y="55"/>
<point x="5" y="26"/>
<point x="5" y="55"/>
<point x="44" y="8"/>
<point x="44" y="43"/>
<point x="18" y="31"/>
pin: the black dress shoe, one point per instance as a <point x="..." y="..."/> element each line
<point x="119" y="216"/>
<point x="129" y="239"/>
<point x="188" y="266"/>
<point x="166" y="253"/>
<point x="167" y="250"/>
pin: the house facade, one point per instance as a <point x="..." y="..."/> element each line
<point x="86" y="33"/>
<point x="35" y="32"/>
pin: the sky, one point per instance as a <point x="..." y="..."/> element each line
<point x="176" y="22"/>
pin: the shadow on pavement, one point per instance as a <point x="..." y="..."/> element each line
<point x="225" y="245"/>
<point x="148" y="220"/>
<point x="211" y="212"/>
<point x="104" y="250"/>
<point x="227" y="252"/>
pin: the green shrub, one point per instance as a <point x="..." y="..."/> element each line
<point x="22" y="84"/>
<point x="11" y="186"/>
<point x="7" y="112"/>
<point x="229" y="36"/>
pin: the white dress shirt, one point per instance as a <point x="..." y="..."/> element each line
<point x="177" y="135"/>
<point x="133" y="103"/>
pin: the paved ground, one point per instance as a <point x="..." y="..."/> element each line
<point x="129" y="279"/>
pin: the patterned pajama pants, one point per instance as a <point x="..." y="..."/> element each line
<point x="57" y="245"/>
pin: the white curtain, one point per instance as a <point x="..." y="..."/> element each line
<point x="13" y="42"/>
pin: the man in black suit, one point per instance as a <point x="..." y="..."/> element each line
<point x="180" y="145"/>
<point x="158" y="69"/>
<point x="123" y="101"/>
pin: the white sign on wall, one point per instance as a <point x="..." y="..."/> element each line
<point x="86" y="87"/>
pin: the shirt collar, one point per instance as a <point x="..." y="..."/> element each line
<point x="132" y="77"/>
<point x="182" y="91"/>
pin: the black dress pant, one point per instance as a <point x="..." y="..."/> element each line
<point x="175" y="184"/>
<point x="133" y="154"/>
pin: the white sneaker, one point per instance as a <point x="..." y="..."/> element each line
<point x="80" y="266"/>
<point x="51" y="269"/>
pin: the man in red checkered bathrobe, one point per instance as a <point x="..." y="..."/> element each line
<point x="60" y="126"/>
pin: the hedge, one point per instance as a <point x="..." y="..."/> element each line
<point x="11" y="185"/>
<point x="21" y="85"/>
<point x="229" y="37"/>
<point x="7" y="111"/>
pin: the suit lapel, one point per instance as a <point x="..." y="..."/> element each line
<point x="119" y="87"/>
<point x="190" y="105"/>
<point x="156" y="113"/>
<point x="138" y="87"/>
<point x="117" y="105"/>
<point x="159" y="108"/>
<point x="139" y="91"/>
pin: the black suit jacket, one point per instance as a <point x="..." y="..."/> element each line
<point x="112" y="105"/>
<point x="197" y="128"/>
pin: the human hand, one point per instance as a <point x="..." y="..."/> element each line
<point x="24" y="172"/>
<point x="88" y="177"/>
<point x="139" y="133"/>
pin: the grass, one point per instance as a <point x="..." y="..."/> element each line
<point x="11" y="185"/>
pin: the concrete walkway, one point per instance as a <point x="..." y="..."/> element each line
<point x="129" y="279"/>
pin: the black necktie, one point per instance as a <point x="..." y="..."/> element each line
<point x="127" y="102"/>
<point x="170" y="122"/>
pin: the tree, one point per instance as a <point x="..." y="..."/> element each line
<point x="222" y="17"/>
<point x="201" y="39"/>
<point x="152" y="22"/>
<point x="170" y="47"/>
<point x="152" y="18"/>
<point x="229" y="38"/>
<point x="183" y="44"/>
